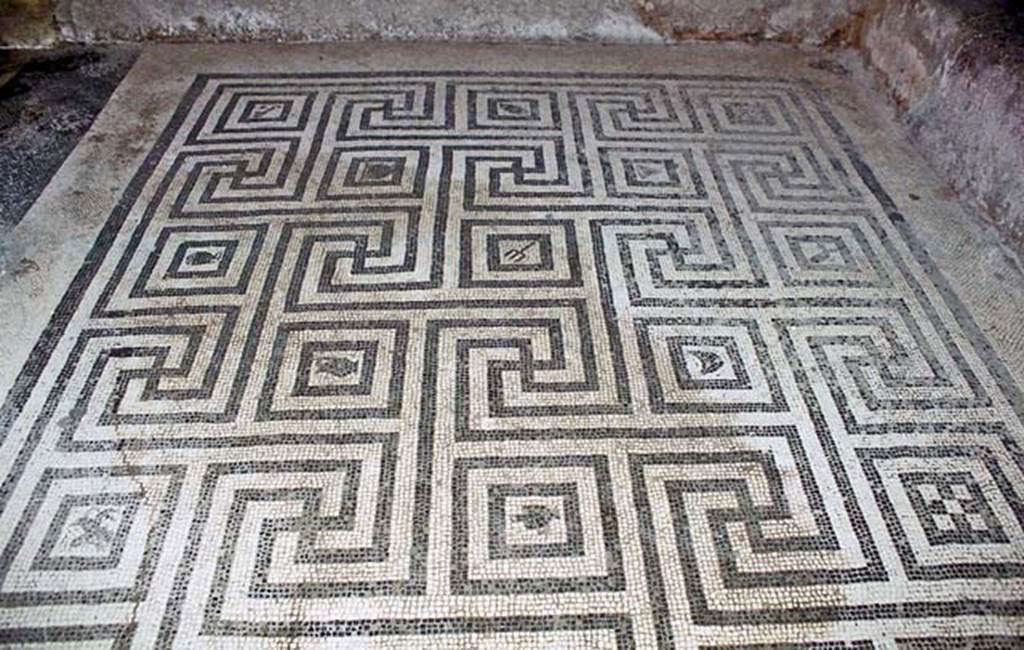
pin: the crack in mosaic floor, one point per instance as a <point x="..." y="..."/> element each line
<point x="509" y="360"/>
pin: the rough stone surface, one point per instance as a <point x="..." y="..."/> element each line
<point x="955" y="71"/>
<point x="327" y="20"/>
<point x="404" y="346"/>
<point x="796" y="21"/>
<point x="614" y="21"/>
<point x="27" y="22"/>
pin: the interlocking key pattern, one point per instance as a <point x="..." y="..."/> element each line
<point x="509" y="360"/>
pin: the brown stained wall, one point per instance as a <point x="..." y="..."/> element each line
<point x="27" y="22"/>
<point x="793" y="21"/>
<point x="807" y="21"/>
<point x="955" y="72"/>
<point x="333" y="20"/>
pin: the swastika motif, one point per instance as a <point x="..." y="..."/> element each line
<point x="510" y="360"/>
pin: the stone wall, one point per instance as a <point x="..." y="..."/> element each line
<point x="27" y="23"/>
<point x="620" y="21"/>
<point x="795" y="21"/>
<point x="955" y="72"/>
<point x="331" y="20"/>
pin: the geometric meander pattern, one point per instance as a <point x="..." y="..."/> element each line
<point x="498" y="360"/>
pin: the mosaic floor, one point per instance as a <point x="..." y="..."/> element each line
<point x="522" y="359"/>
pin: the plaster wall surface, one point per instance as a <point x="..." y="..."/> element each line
<point x="323" y="20"/>
<point x="808" y="21"/>
<point x="27" y="23"/>
<point x="618" y="21"/>
<point x="955" y="73"/>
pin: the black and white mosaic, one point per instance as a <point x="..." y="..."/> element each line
<point x="510" y="360"/>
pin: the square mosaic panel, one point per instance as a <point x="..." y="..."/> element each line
<point x="495" y="360"/>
